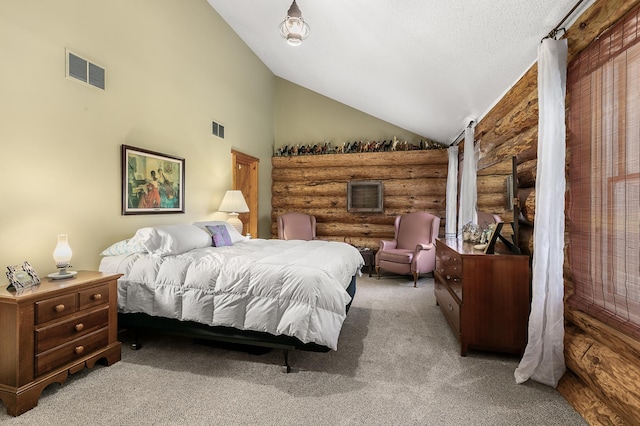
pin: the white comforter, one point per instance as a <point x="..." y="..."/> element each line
<point x="295" y="288"/>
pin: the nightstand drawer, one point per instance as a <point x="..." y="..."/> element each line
<point x="94" y="296"/>
<point x="54" y="335"/>
<point x="77" y="348"/>
<point x="56" y="307"/>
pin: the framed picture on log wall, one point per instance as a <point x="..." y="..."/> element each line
<point x="151" y="182"/>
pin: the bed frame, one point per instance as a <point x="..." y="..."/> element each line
<point x="139" y="321"/>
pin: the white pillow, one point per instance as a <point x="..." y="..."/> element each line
<point x="171" y="239"/>
<point x="124" y="247"/>
<point x="236" y="237"/>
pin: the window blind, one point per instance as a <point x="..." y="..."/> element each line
<point x="603" y="87"/>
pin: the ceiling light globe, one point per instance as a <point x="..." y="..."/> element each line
<point x="293" y="28"/>
<point x="294" y="40"/>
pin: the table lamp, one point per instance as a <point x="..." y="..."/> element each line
<point x="62" y="255"/>
<point x="233" y="203"/>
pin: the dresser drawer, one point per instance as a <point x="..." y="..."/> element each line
<point x="94" y="296"/>
<point x="56" y="307"/>
<point x="449" y="263"/>
<point x="49" y="360"/>
<point x="53" y="335"/>
<point x="449" y="307"/>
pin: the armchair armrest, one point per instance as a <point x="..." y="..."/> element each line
<point x="387" y="245"/>
<point x="420" y="247"/>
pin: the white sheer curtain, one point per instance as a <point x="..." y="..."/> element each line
<point x="452" y="193"/>
<point x="468" y="185"/>
<point x="543" y="359"/>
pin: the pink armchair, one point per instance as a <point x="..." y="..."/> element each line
<point x="296" y="226"/>
<point x="413" y="250"/>
<point x="488" y="218"/>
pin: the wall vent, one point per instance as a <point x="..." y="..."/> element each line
<point x="83" y="71"/>
<point x="365" y="196"/>
<point x="217" y="129"/>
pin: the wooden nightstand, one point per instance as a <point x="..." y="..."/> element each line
<point x="56" y="328"/>
<point x="368" y="256"/>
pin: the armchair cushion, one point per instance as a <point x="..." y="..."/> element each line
<point x="397" y="255"/>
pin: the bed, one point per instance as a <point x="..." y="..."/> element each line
<point x="207" y="281"/>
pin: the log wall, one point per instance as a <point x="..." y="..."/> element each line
<point x="317" y="185"/>
<point x="603" y="377"/>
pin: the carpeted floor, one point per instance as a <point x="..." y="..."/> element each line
<point x="397" y="363"/>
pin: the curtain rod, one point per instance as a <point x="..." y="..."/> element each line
<point x="457" y="140"/>
<point x="557" y="29"/>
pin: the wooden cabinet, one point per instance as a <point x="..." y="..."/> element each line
<point x="484" y="297"/>
<point x="56" y="328"/>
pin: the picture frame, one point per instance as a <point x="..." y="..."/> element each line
<point x="22" y="276"/>
<point x="152" y="182"/>
<point x="491" y="243"/>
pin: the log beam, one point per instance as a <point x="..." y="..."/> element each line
<point x="586" y="402"/>
<point x="607" y="373"/>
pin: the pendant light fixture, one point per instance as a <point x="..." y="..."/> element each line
<point x="293" y="28"/>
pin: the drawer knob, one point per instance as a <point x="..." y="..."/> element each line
<point x="59" y="308"/>
<point x="448" y="277"/>
<point x="97" y="296"/>
<point x="79" y="349"/>
<point x="79" y="327"/>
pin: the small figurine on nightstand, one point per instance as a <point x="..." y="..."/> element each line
<point x="62" y="256"/>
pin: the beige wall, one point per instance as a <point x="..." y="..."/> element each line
<point x="172" y="67"/>
<point x="306" y="117"/>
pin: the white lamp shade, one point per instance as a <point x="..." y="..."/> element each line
<point x="62" y="253"/>
<point x="233" y="202"/>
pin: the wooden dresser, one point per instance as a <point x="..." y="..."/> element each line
<point x="56" y="328"/>
<point x="484" y="297"/>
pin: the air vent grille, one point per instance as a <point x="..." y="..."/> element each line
<point x="217" y="129"/>
<point x="84" y="71"/>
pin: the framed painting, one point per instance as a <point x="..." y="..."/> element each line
<point x="151" y="182"/>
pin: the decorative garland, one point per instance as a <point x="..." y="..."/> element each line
<point x="356" y="146"/>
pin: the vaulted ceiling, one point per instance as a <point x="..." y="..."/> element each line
<point x="428" y="66"/>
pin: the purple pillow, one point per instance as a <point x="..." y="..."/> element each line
<point x="219" y="235"/>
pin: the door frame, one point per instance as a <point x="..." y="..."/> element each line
<point x="249" y="188"/>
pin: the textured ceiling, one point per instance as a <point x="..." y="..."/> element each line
<point x="427" y="66"/>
